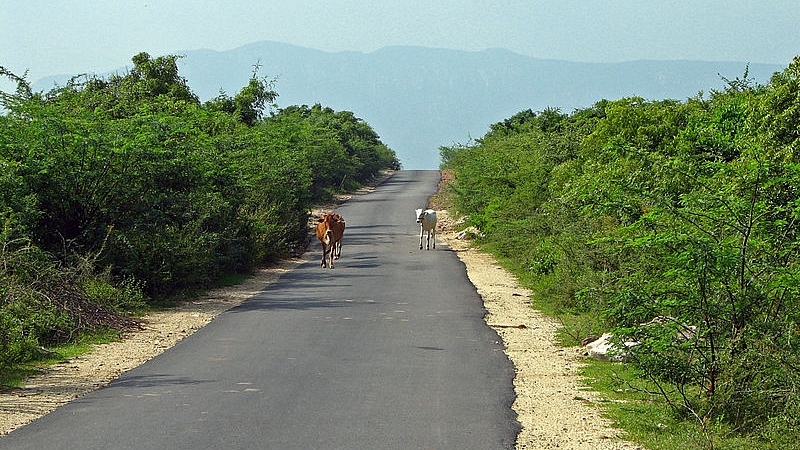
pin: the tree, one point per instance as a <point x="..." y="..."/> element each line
<point x="249" y="104"/>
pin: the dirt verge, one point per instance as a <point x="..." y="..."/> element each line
<point x="555" y="410"/>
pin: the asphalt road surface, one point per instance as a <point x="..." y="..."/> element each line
<point x="388" y="350"/>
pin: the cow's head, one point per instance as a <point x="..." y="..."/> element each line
<point x="420" y="213"/>
<point x="327" y="219"/>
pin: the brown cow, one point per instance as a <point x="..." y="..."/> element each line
<point x="330" y="230"/>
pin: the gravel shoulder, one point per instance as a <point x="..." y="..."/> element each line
<point x="554" y="409"/>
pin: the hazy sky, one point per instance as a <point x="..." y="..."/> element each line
<point x="50" y="37"/>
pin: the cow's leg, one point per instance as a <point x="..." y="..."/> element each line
<point x="324" y="253"/>
<point x="433" y="236"/>
<point x="421" y="233"/>
<point x="338" y="248"/>
<point x="332" y="248"/>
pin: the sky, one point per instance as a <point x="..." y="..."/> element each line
<point x="50" y="37"/>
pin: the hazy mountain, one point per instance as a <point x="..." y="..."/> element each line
<point x="418" y="99"/>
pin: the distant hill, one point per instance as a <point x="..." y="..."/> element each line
<point x="418" y="99"/>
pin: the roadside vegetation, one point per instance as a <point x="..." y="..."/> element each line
<point x="124" y="193"/>
<point x="673" y="225"/>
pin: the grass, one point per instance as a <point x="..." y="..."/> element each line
<point x="647" y="420"/>
<point x="16" y="376"/>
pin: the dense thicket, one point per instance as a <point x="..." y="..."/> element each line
<point x="674" y="223"/>
<point x="120" y="191"/>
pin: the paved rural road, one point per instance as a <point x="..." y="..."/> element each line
<point x="388" y="350"/>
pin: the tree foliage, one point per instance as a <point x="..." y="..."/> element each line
<point x="674" y="223"/>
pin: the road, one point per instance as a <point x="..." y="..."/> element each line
<point x="388" y="350"/>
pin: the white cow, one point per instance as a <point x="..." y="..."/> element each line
<point x="427" y="220"/>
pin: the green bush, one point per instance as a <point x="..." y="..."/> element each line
<point x="673" y="224"/>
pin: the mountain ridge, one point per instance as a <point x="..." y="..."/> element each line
<point x="421" y="98"/>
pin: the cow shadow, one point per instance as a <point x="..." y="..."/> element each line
<point x="262" y="302"/>
<point x="154" y="380"/>
<point x="308" y="288"/>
